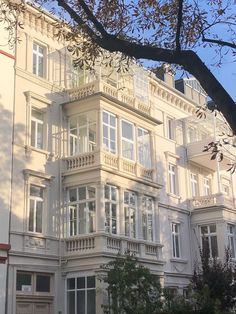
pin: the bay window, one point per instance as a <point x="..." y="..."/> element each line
<point x="110" y="195"/>
<point x="147" y="218"/>
<point x="144" y="149"/>
<point x="130" y="212"/>
<point x="82" y="208"/>
<point x="82" y="136"/>
<point x="128" y="140"/>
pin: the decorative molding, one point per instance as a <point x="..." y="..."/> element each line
<point x="41" y="175"/>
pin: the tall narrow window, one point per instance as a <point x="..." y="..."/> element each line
<point x="206" y="186"/>
<point x="81" y="209"/>
<point x="38" y="59"/>
<point x="35" y="209"/>
<point x="144" y="150"/>
<point x="209" y="240"/>
<point x="82" y="136"/>
<point x="170" y="134"/>
<point x="130" y="209"/>
<point x="127" y="140"/>
<point x="110" y="193"/>
<point x="175" y="240"/>
<point x="231" y="239"/>
<point x="194" y="184"/>
<point x="81" y="295"/>
<point x="147" y="218"/>
<point x="109" y="132"/>
<point x="172" y="179"/>
<point x="36" y="128"/>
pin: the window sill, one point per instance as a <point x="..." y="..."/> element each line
<point x="179" y="260"/>
<point x="29" y="149"/>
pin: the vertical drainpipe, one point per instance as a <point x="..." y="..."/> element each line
<point x="217" y="162"/>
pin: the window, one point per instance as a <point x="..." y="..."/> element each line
<point x="130" y="209"/>
<point x="144" y="149"/>
<point x="147" y="218"/>
<point x="38" y="60"/>
<point x="81" y="209"/>
<point x="194" y="184"/>
<point x="33" y="282"/>
<point x="110" y="193"/>
<point x="35" y="209"/>
<point x="209" y="240"/>
<point x="170" y="128"/>
<point x="175" y="240"/>
<point x="172" y="179"/>
<point x="206" y="186"/>
<point x="127" y="140"/>
<point x="225" y="189"/>
<point x="82" y="136"/>
<point x="37" y="128"/>
<point x="231" y="241"/>
<point x="81" y="295"/>
<point x="109" y="132"/>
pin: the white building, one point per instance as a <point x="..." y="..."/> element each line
<point x="110" y="165"/>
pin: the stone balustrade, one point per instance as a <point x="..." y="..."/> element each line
<point x="113" y="244"/>
<point x="219" y="199"/>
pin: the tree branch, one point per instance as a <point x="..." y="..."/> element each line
<point x="219" y="42"/>
<point x="179" y="25"/>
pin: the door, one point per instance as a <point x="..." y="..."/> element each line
<point x="33" y="308"/>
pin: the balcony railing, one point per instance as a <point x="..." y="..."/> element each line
<point x="103" y="158"/>
<point x="212" y="200"/>
<point x="105" y="243"/>
<point x="101" y="86"/>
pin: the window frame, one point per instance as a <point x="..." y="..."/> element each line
<point x="76" y="206"/>
<point x="110" y="218"/>
<point x="131" y="142"/>
<point x="176" y="240"/>
<point x="37" y="123"/>
<point x="231" y="239"/>
<point x="172" y="179"/>
<point x="109" y="129"/>
<point x="144" y="160"/>
<point x="209" y="236"/>
<point x="130" y="225"/>
<point x="206" y="186"/>
<point x="170" y="130"/>
<point x="37" y="54"/>
<point x="194" y="184"/>
<point x="33" y="290"/>
<point x="35" y="200"/>
<point x="146" y="211"/>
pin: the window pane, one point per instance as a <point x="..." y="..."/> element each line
<point x="91" y="282"/>
<point x="73" y="195"/>
<point x="33" y="133"/>
<point x="22" y="279"/>
<point x="107" y="192"/>
<point x="31" y="216"/>
<point x="81" y="283"/>
<point x="212" y="228"/>
<point x="82" y="193"/>
<point x="71" y="302"/>
<point x="36" y="191"/>
<point x="91" y="302"/>
<point x="82" y="218"/>
<point x="127" y="130"/>
<point x="91" y="192"/>
<point x="214" y="247"/>
<point x="43" y="283"/>
<point x="70" y="283"/>
<point x="40" y="136"/>
<point x="81" y="302"/>
<point x="39" y="212"/>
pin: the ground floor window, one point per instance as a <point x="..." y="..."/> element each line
<point x="81" y="295"/>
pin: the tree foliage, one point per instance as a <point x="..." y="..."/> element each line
<point x="159" y="30"/>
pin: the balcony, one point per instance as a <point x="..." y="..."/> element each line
<point x="195" y="154"/>
<point x="215" y="200"/>
<point x="111" y="244"/>
<point x="112" y="91"/>
<point x="98" y="159"/>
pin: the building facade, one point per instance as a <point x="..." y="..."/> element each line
<point x="104" y="163"/>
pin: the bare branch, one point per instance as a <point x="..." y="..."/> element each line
<point x="219" y="42"/>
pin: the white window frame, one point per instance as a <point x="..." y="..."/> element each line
<point x="129" y="141"/>
<point x="175" y="239"/>
<point x="144" y="148"/>
<point x="39" y="56"/>
<point x="231" y="238"/>
<point x="172" y="179"/>
<point x="74" y="210"/>
<point x="36" y="200"/>
<point x="194" y="184"/>
<point x="110" y="219"/>
<point x="110" y="128"/>
<point x="32" y="289"/>
<point x="130" y="215"/>
<point x="148" y="218"/>
<point x="76" y="289"/>
<point x="170" y="131"/>
<point x="38" y="123"/>
<point x="206" y="186"/>
<point x="209" y="235"/>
